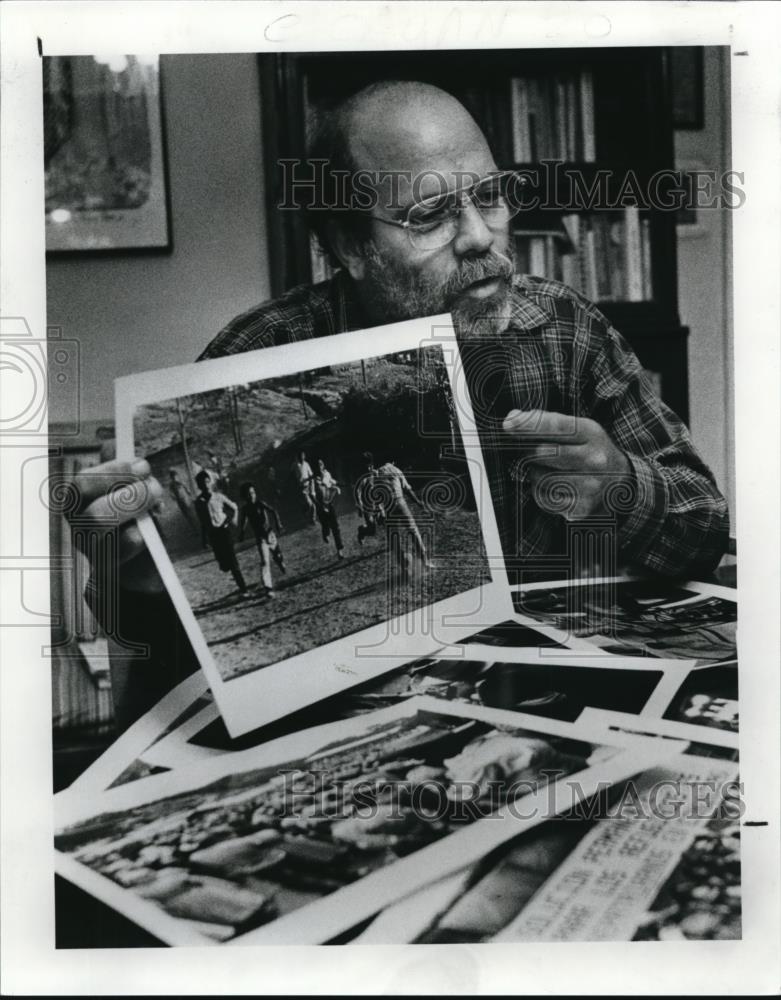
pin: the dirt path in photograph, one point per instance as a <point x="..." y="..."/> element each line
<point x="320" y="598"/>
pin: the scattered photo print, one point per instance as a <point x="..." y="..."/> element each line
<point x="639" y="617"/>
<point x="217" y="860"/>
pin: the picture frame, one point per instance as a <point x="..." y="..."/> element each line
<point x="104" y="155"/>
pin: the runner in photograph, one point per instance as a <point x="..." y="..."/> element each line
<point x="265" y="523"/>
<point x="326" y="490"/>
<point x="400" y="519"/>
<point x="217" y="513"/>
<point x="367" y="503"/>
<point x="303" y="475"/>
<point x="223" y="479"/>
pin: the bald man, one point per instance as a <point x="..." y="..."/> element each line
<point x="570" y="428"/>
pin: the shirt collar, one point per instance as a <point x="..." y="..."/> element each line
<point x="524" y="312"/>
<point x="349" y="315"/>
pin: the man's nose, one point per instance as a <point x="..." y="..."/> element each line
<point x="473" y="236"/>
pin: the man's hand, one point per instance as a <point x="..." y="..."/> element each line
<point x="111" y="496"/>
<point x="572" y="461"/>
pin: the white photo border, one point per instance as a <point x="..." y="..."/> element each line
<point x="140" y="737"/>
<point x="642" y="725"/>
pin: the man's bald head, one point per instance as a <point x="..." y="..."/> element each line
<point x="399" y="127"/>
<point x="408" y="126"/>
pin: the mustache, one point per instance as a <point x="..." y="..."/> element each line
<point x="493" y="265"/>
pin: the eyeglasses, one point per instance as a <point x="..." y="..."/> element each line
<point x="433" y="222"/>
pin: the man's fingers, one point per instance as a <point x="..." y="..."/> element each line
<point x="536" y="426"/>
<point x="91" y="484"/>
<point x="571" y="497"/>
<point x="566" y="457"/>
<point x="126" y="502"/>
<point x="131" y="542"/>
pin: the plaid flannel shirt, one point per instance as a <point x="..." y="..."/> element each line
<point x="558" y="353"/>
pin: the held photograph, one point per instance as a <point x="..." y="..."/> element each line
<point x="307" y="507"/>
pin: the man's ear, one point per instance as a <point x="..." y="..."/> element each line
<point x="346" y="248"/>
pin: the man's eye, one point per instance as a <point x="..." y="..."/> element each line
<point x="431" y="214"/>
<point x="490" y="197"/>
<point x="428" y="219"/>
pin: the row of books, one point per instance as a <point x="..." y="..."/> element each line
<point x="553" y="118"/>
<point x="606" y="257"/>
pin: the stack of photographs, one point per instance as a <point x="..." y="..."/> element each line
<point x="386" y="741"/>
<point x="276" y="848"/>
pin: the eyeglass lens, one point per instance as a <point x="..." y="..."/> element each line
<point x="434" y="222"/>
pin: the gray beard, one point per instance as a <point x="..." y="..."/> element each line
<point x="484" y="317"/>
<point x="393" y="294"/>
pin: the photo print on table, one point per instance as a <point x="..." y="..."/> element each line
<point x="664" y="825"/>
<point x="688" y="620"/>
<point x="536" y="687"/>
<point x="708" y="697"/>
<point x="327" y="513"/>
<point x="301" y="840"/>
<point x="704" y="741"/>
<point x="525" y="679"/>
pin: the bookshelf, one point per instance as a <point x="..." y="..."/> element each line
<point x="614" y="136"/>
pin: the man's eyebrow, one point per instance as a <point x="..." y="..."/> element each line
<point x="430" y="199"/>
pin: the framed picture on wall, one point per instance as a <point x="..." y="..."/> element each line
<point x="104" y="154"/>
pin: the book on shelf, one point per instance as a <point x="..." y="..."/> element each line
<point x="615" y="250"/>
<point x="587" y="116"/>
<point x="552" y="117"/>
<point x="571" y="113"/>
<point x="645" y="254"/>
<point x="602" y="286"/>
<point x="591" y="289"/>
<point x="519" y="109"/>
<point x="633" y="255"/>
<point x="604" y="256"/>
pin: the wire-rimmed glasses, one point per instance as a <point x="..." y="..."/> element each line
<point x="432" y="223"/>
